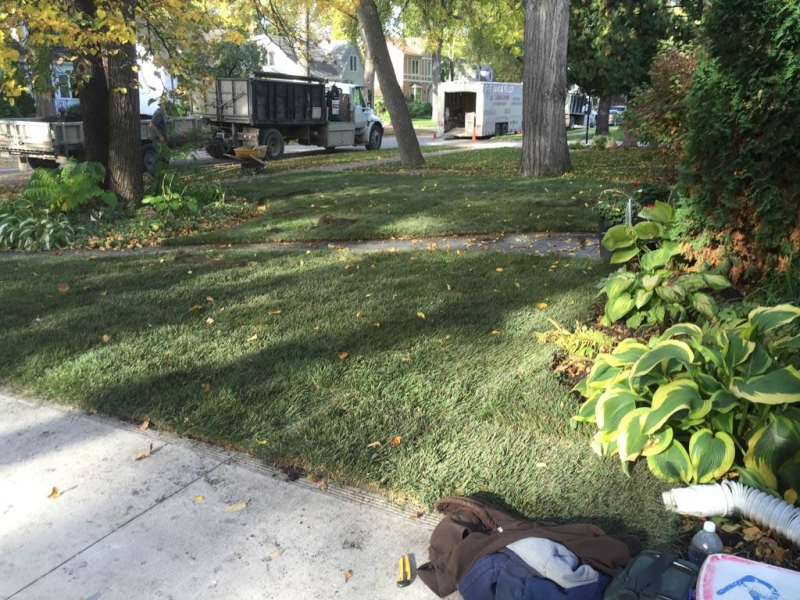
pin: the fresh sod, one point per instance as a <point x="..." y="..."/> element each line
<point x="320" y="360"/>
<point x="404" y="206"/>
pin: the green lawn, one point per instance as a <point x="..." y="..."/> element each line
<point x="239" y="347"/>
<point x="405" y="205"/>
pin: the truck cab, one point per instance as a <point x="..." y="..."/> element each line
<point x="348" y="105"/>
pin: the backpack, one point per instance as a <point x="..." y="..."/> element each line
<point x="654" y="575"/>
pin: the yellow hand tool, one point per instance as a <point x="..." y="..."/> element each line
<point x="404" y="572"/>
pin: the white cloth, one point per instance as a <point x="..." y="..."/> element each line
<point x="554" y="562"/>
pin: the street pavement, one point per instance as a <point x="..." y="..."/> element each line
<point x="80" y="517"/>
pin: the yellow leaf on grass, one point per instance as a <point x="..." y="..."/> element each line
<point x="347" y="575"/>
<point x="104" y="293"/>
<point x="106" y="338"/>
<point x="253" y="338"/>
<point x="448" y="287"/>
<point x="63" y="287"/>
<point x="395" y="441"/>
<point x="376" y="324"/>
<point x="206" y="387"/>
<point x="146" y="453"/>
<point x="494" y="332"/>
<point x="374" y="445"/>
<point x="55" y="493"/>
<point x="276" y="554"/>
<point x="359" y="314"/>
<point x="421" y="315"/>
<point x="237" y="507"/>
<point x="541" y="305"/>
<point x="342" y="355"/>
<point x="198" y="498"/>
<point x="262" y="442"/>
<point x="209" y="321"/>
<point x="209" y="298"/>
<point x="195" y="308"/>
<point x="145" y="424"/>
<point x="499" y="269"/>
<point x="275" y="313"/>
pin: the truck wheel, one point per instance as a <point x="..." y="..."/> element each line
<point x="273" y="140"/>
<point x="42" y="163"/>
<point x="375" y="138"/>
<point x="215" y="149"/>
<point x="149" y="160"/>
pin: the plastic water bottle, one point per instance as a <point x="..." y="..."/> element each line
<point x="705" y="543"/>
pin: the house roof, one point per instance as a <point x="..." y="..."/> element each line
<point x="414" y="46"/>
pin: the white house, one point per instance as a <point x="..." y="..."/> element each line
<point x="334" y="60"/>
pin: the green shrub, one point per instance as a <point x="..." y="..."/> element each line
<point x="742" y="143"/>
<point x="68" y="188"/>
<point x="419" y="110"/>
<point x="170" y="203"/>
<point x="26" y="226"/>
<point x="649" y="291"/>
<point x="599" y="142"/>
<point x="612" y="206"/>
<point x="700" y="402"/>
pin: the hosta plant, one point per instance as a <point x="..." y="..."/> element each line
<point x="649" y="289"/>
<point x="24" y="226"/>
<point x="700" y="402"/>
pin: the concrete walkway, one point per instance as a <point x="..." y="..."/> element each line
<point x="189" y="521"/>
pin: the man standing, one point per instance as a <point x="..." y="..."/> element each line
<point x="158" y="124"/>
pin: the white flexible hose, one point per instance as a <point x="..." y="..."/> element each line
<point x="729" y="497"/>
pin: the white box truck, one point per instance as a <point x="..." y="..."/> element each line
<point x="483" y="107"/>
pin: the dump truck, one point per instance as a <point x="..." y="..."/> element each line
<point x="266" y="110"/>
<point x="480" y="107"/>
<point x="43" y="142"/>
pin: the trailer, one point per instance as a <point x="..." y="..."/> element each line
<point x="48" y="142"/>
<point x="267" y="110"/>
<point x="483" y="108"/>
<point x="577" y="109"/>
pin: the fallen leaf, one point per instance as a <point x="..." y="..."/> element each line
<point x="494" y="332"/>
<point x="374" y="445"/>
<point x="206" y="387"/>
<point x="342" y="355"/>
<point x="106" y="338"/>
<point x="209" y="298"/>
<point x="421" y="315"/>
<point x="195" y="308"/>
<point x="499" y="269"/>
<point x="311" y="478"/>
<point x="347" y="575"/>
<point x="237" y="507"/>
<point x="417" y="514"/>
<point x="145" y="424"/>
<point x="541" y="465"/>
<point x="103" y="293"/>
<point x="516" y="283"/>
<point x="253" y="338"/>
<point x="359" y="315"/>
<point x="376" y="324"/>
<point x="730" y="527"/>
<point x="146" y="453"/>
<point x="790" y="496"/>
<point x="198" y="498"/>
<point x="321" y="485"/>
<point x="63" y="287"/>
<point x="406" y="359"/>
<point x="276" y="554"/>
<point x="262" y="442"/>
<point x="209" y="321"/>
<point x="541" y="305"/>
<point x="395" y="441"/>
<point x="55" y="493"/>
<point x="275" y="313"/>
<point x="449" y="288"/>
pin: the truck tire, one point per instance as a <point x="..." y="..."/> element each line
<point x="216" y="149"/>
<point x="273" y="140"/>
<point x="149" y="159"/>
<point x="42" y="163"/>
<point x="375" y="138"/>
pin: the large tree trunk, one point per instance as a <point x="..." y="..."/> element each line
<point x="603" y="108"/>
<point x="125" y="147"/>
<point x="93" y="94"/>
<point x="369" y="71"/>
<point x="544" y="143"/>
<point x="436" y="71"/>
<point x="410" y="154"/>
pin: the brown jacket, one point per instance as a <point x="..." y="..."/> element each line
<point x="471" y="529"/>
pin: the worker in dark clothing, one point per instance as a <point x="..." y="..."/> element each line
<point x="158" y="125"/>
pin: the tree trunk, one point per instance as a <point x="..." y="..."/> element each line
<point x="45" y="105"/>
<point x="544" y="144"/>
<point x="436" y="72"/>
<point x="603" y="108"/>
<point x="369" y="71"/>
<point x="94" y="110"/>
<point x="410" y="154"/>
<point x="125" y="147"/>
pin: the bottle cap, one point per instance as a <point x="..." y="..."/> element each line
<point x="710" y="526"/>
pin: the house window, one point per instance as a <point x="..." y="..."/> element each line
<point x="353" y="63"/>
<point x="426" y="68"/>
<point x="64" y="89"/>
<point x="270" y="58"/>
<point x="416" y="92"/>
<point x="414" y="67"/>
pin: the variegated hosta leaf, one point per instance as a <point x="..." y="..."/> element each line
<point x="689" y="330"/>
<point x="769" y="448"/>
<point x="767" y="318"/>
<point x="658" y="442"/>
<point x="671" y="400"/>
<point x="669" y="351"/>
<point x="626" y="353"/>
<point x="735" y="349"/>
<point x="673" y="464"/>
<point x="780" y="386"/>
<point x="612" y="406"/>
<point x="716" y="282"/>
<point x="632" y="438"/>
<point x="586" y="412"/>
<point x="712" y="454"/>
<point x="724" y="402"/>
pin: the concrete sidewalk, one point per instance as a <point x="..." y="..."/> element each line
<point x="166" y="526"/>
